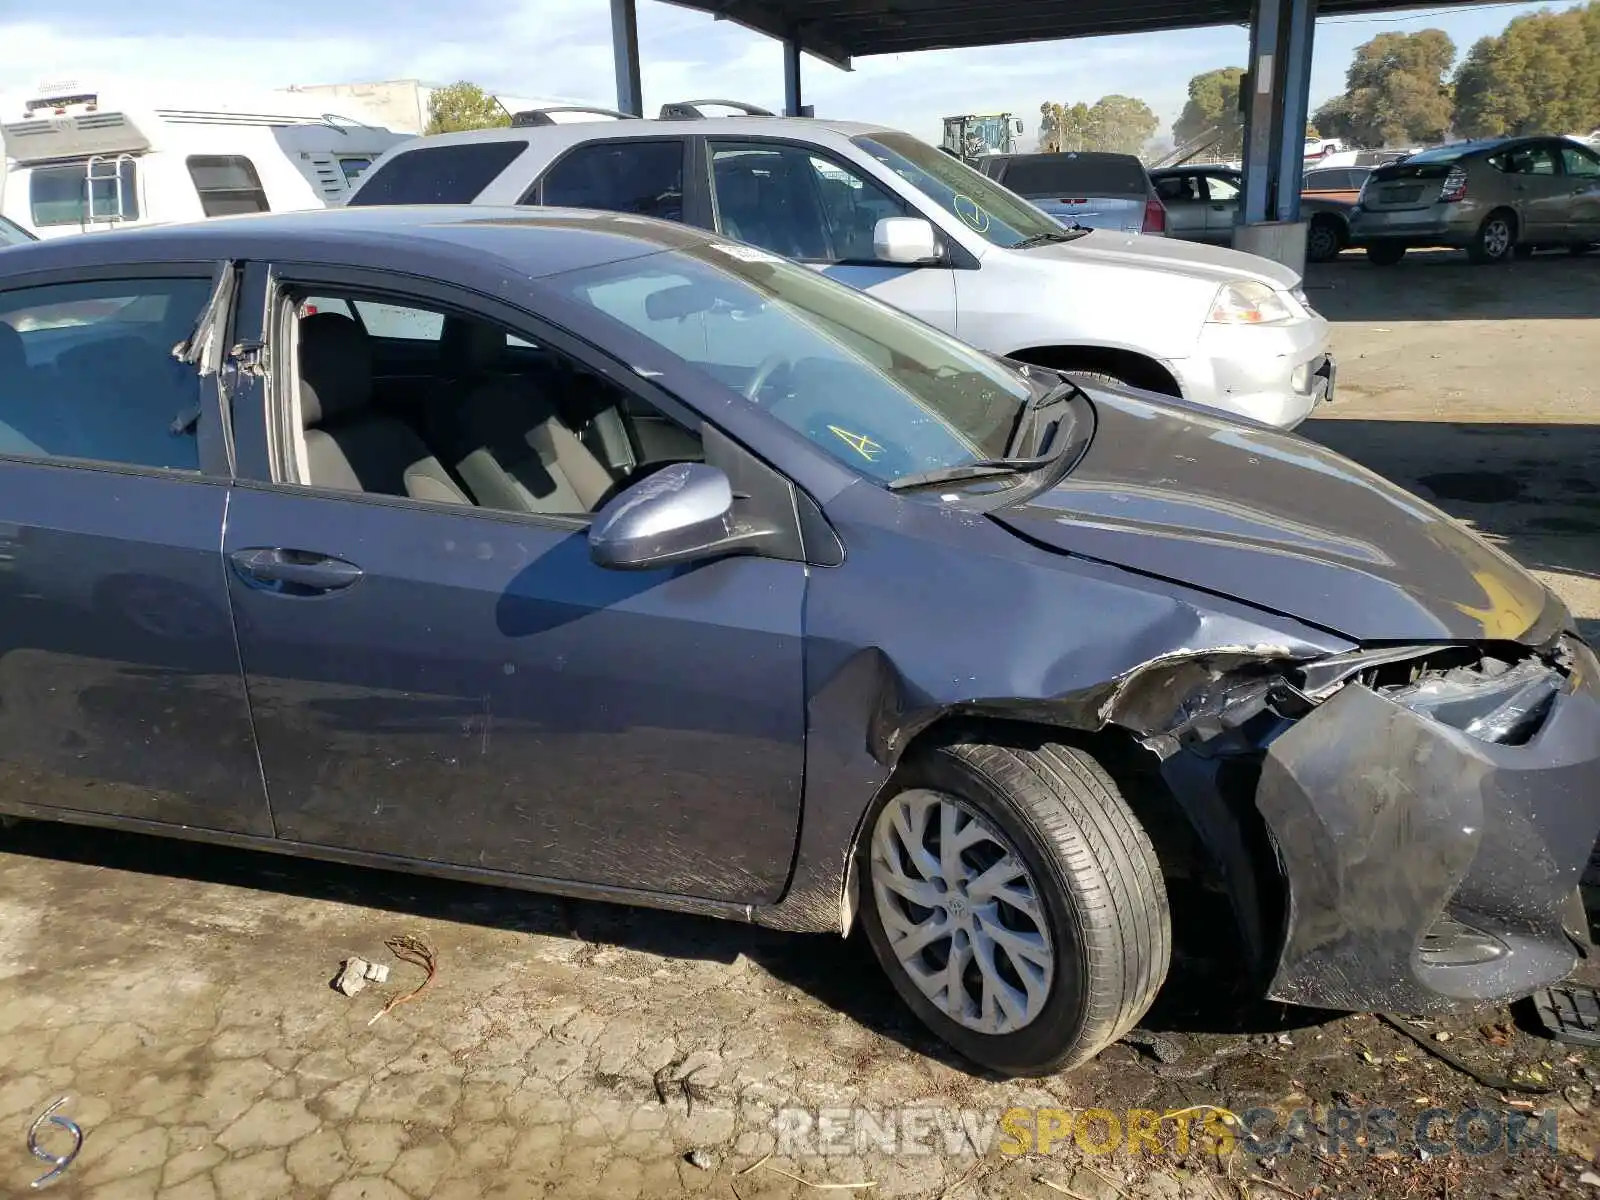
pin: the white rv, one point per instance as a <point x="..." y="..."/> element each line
<point x="77" y="164"/>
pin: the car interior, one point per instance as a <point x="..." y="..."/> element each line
<point x="1179" y="189"/>
<point x="780" y="200"/>
<point x="467" y="416"/>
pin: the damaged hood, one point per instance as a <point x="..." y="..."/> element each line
<point x="1279" y="522"/>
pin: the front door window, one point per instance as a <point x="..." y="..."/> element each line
<point x="793" y="202"/>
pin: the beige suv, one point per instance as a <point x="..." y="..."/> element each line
<point x="1491" y="198"/>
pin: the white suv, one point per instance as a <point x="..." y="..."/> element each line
<point x="913" y="225"/>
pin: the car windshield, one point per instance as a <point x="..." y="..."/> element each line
<point x="881" y="392"/>
<point x="979" y="203"/>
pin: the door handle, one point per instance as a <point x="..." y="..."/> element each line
<point x="294" y="572"/>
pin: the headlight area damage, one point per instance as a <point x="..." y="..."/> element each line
<point x="1432" y="808"/>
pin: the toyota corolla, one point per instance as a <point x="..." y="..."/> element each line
<point x="584" y="553"/>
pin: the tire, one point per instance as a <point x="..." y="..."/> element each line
<point x="1082" y="856"/>
<point x="1382" y="254"/>
<point x="1496" y="239"/>
<point x="1580" y="249"/>
<point x="1324" y="240"/>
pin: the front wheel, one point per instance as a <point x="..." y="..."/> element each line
<point x="1383" y="254"/>
<point x="1016" y="903"/>
<point x="1496" y="239"/>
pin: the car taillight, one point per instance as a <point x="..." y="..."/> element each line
<point x="1155" y="216"/>
<point x="1455" y="186"/>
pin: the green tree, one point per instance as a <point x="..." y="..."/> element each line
<point x="1213" y="104"/>
<point x="1120" y="124"/>
<point x="462" y="106"/>
<point x="1542" y="75"/>
<point x="1333" y="118"/>
<point x="1050" y="116"/>
<point x="1063" y="127"/>
<point x="1395" y="91"/>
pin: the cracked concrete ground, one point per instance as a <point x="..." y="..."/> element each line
<point x="178" y="995"/>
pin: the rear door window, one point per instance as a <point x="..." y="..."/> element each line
<point x="1179" y="189"/>
<point x="1530" y="160"/>
<point x="453" y="174"/>
<point x="644" y="178"/>
<point x="98" y="380"/>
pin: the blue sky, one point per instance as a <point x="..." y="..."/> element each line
<point x="562" y="48"/>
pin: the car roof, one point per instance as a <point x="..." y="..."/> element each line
<point x="419" y="239"/>
<point x="570" y="133"/>
<point x="1462" y="149"/>
<point x="1080" y="155"/>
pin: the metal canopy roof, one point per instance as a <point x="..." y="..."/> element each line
<point x="837" y="30"/>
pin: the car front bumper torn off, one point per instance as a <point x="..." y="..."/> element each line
<point x="1432" y="810"/>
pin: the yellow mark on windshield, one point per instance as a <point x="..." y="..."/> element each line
<point x="860" y="443"/>
<point x="968" y="210"/>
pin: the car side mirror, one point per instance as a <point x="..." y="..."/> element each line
<point x="678" y="514"/>
<point x="908" y="241"/>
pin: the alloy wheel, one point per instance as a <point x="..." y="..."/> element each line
<point x="962" y="912"/>
<point x="1496" y="238"/>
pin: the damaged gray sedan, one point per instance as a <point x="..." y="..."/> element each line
<point x="588" y="554"/>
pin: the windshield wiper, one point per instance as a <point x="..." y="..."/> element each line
<point x="982" y="469"/>
<point x="1050" y="237"/>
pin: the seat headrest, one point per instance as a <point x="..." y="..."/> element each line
<point x="13" y="355"/>
<point x="335" y="367"/>
<point x="470" y="347"/>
